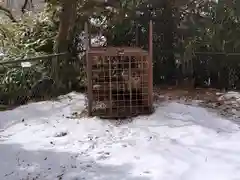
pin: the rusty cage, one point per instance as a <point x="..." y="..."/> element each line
<point x="119" y="82"/>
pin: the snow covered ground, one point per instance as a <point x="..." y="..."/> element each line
<point x="177" y="142"/>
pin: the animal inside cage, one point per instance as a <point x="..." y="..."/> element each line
<point x="119" y="82"/>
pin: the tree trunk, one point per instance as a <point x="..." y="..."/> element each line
<point x="64" y="37"/>
<point x="67" y="21"/>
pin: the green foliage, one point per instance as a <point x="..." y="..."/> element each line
<point x="33" y="35"/>
<point x="214" y="27"/>
<point x="16" y="83"/>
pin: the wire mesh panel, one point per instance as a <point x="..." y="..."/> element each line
<point x="119" y="82"/>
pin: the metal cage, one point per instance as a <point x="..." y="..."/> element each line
<point x="119" y="82"/>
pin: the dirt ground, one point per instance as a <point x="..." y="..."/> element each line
<point x="187" y="94"/>
<point x="208" y="98"/>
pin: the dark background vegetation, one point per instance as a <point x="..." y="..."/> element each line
<point x="194" y="43"/>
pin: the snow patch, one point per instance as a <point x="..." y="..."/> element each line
<point x="230" y="95"/>
<point x="177" y="142"/>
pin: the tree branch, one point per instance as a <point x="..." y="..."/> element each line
<point x="24" y="7"/>
<point x="8" y="13"/>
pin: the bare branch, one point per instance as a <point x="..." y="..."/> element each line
<point x="24" y="7"/>
<point x="8" y="13"/>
